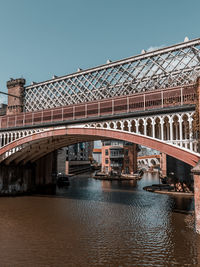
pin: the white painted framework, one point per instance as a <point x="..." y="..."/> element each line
<point x="8" y="137"/>
<point x="172" y="66"/>
<point x="174" y="129"/>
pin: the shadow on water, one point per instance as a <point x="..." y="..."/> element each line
<point x="130" y="193"/>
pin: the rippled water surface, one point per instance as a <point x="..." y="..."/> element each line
<point x="96" y="223"/>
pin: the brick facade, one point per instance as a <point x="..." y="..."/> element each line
<point x="15" y="88"/>
<point x="119" y="156"/>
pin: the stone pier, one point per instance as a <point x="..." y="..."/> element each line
<point x="31" y="177"/>
<point x="163" y="164"/>
<point x="45" y="173"/>
<point x="15" y="179"/>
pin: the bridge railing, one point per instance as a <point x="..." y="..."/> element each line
<point x="138" y="102"/>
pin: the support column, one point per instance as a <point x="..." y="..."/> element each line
<point x="45" y="167"/>
<point x="176" y="129"/>
<point x="181" y="131"/>
<point x="153" y="128"/>
<point x="163" y="164"/>
<point x="161" y="129"/>
<point x="145" y="127"/>
<point x="167" y="126"/>
<point x="185" y="130"/>
<point x="137" y="126"/>
<point x="190" y="133"/>
<point x="196" y="173"/>
<point x="195" y="147"/>
<point x="171" y="129"/>
<point x="129" y="126"/>
<point x="67" y="167"/>
<point x="198" y="113"/>
<point x="12" y="137"/>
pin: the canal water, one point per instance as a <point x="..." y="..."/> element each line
<point x="98" y="223"/>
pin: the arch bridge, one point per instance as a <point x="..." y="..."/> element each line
<point x="170" y="132"/>
<point x="149" y="161"/>
<point x="150" y="99"/>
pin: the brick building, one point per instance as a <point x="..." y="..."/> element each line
<point x="119" y="156"/>
<point x="74" y="157"/>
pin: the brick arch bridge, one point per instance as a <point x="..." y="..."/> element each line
<point x="38" y="144"/>
<point x="149" y="99"/>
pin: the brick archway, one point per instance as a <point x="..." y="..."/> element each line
<point x="83" y="134"/>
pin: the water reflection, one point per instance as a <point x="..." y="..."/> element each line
<point x="125" y="192"/>
<point x="98" y="223"/>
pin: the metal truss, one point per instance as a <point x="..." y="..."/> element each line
<point x="172" y="66"/>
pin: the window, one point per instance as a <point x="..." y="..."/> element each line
<point x="106" y="152"/>
<point x="106" y="143"/>
<point x="126" y="152"/>
<point x="106" y="161"/>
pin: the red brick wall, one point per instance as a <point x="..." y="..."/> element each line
<point x="163" y="164"/>
<point x="16" y="88"/>
<point x="104" y="157"/>
<point x="67" y="167"/>
<point x="131" y="157"/>
<point x="197" y="201"/>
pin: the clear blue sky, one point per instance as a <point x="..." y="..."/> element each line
<point x="44" y="37"/>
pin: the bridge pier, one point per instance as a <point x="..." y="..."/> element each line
<point x="163" y="164"/>
<point x="15" y="179"/>
<point x="196" y="174"/>
<point x="44" y="168"/>
<point x="31" y="177"/>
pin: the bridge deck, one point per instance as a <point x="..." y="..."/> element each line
<point x="171" y="97"/>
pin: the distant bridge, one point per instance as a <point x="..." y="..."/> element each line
<point x="149" y="161"/>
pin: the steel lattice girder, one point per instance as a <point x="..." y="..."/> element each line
<point x="172" y="66"/>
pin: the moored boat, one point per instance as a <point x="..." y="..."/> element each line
<point x="62" y="180"/>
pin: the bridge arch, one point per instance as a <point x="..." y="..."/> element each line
<point x="55" y="138"/>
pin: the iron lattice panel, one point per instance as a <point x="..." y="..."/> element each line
<point x="168" y="67"/>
